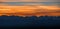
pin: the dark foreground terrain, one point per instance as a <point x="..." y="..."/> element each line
<point x="29" y="22"/>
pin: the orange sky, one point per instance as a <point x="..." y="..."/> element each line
<point x="38" y="10"/>
<point x="30" y="10"/>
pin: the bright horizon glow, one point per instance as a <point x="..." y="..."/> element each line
<point x="30" y="7"/>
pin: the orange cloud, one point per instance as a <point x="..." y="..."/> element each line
<point x="28" y="10"/>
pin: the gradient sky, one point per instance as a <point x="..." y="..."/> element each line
<point x="24" y="2"/>
<point x="30" y="0"/>
<point x="42" y="5"/>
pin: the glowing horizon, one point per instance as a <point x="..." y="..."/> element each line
<point x="28" y="10"/>
<point x="30" y="7"/>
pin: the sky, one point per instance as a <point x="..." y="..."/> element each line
<point x="24" y="2"/>
<point x="30" y="0"/>
<point x="14" y="6"/>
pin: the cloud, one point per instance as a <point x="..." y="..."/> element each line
<point x="28" y="10"/>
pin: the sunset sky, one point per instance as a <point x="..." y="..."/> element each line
<point x="30" y="6"/>
<point x="30" y="0"/>
<point x="17" y="2"/>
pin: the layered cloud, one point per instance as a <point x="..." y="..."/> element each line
<point x="13" y="6"/>
<point x="29" y="10"/>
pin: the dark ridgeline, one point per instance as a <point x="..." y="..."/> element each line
<point x="29" y="22"/>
